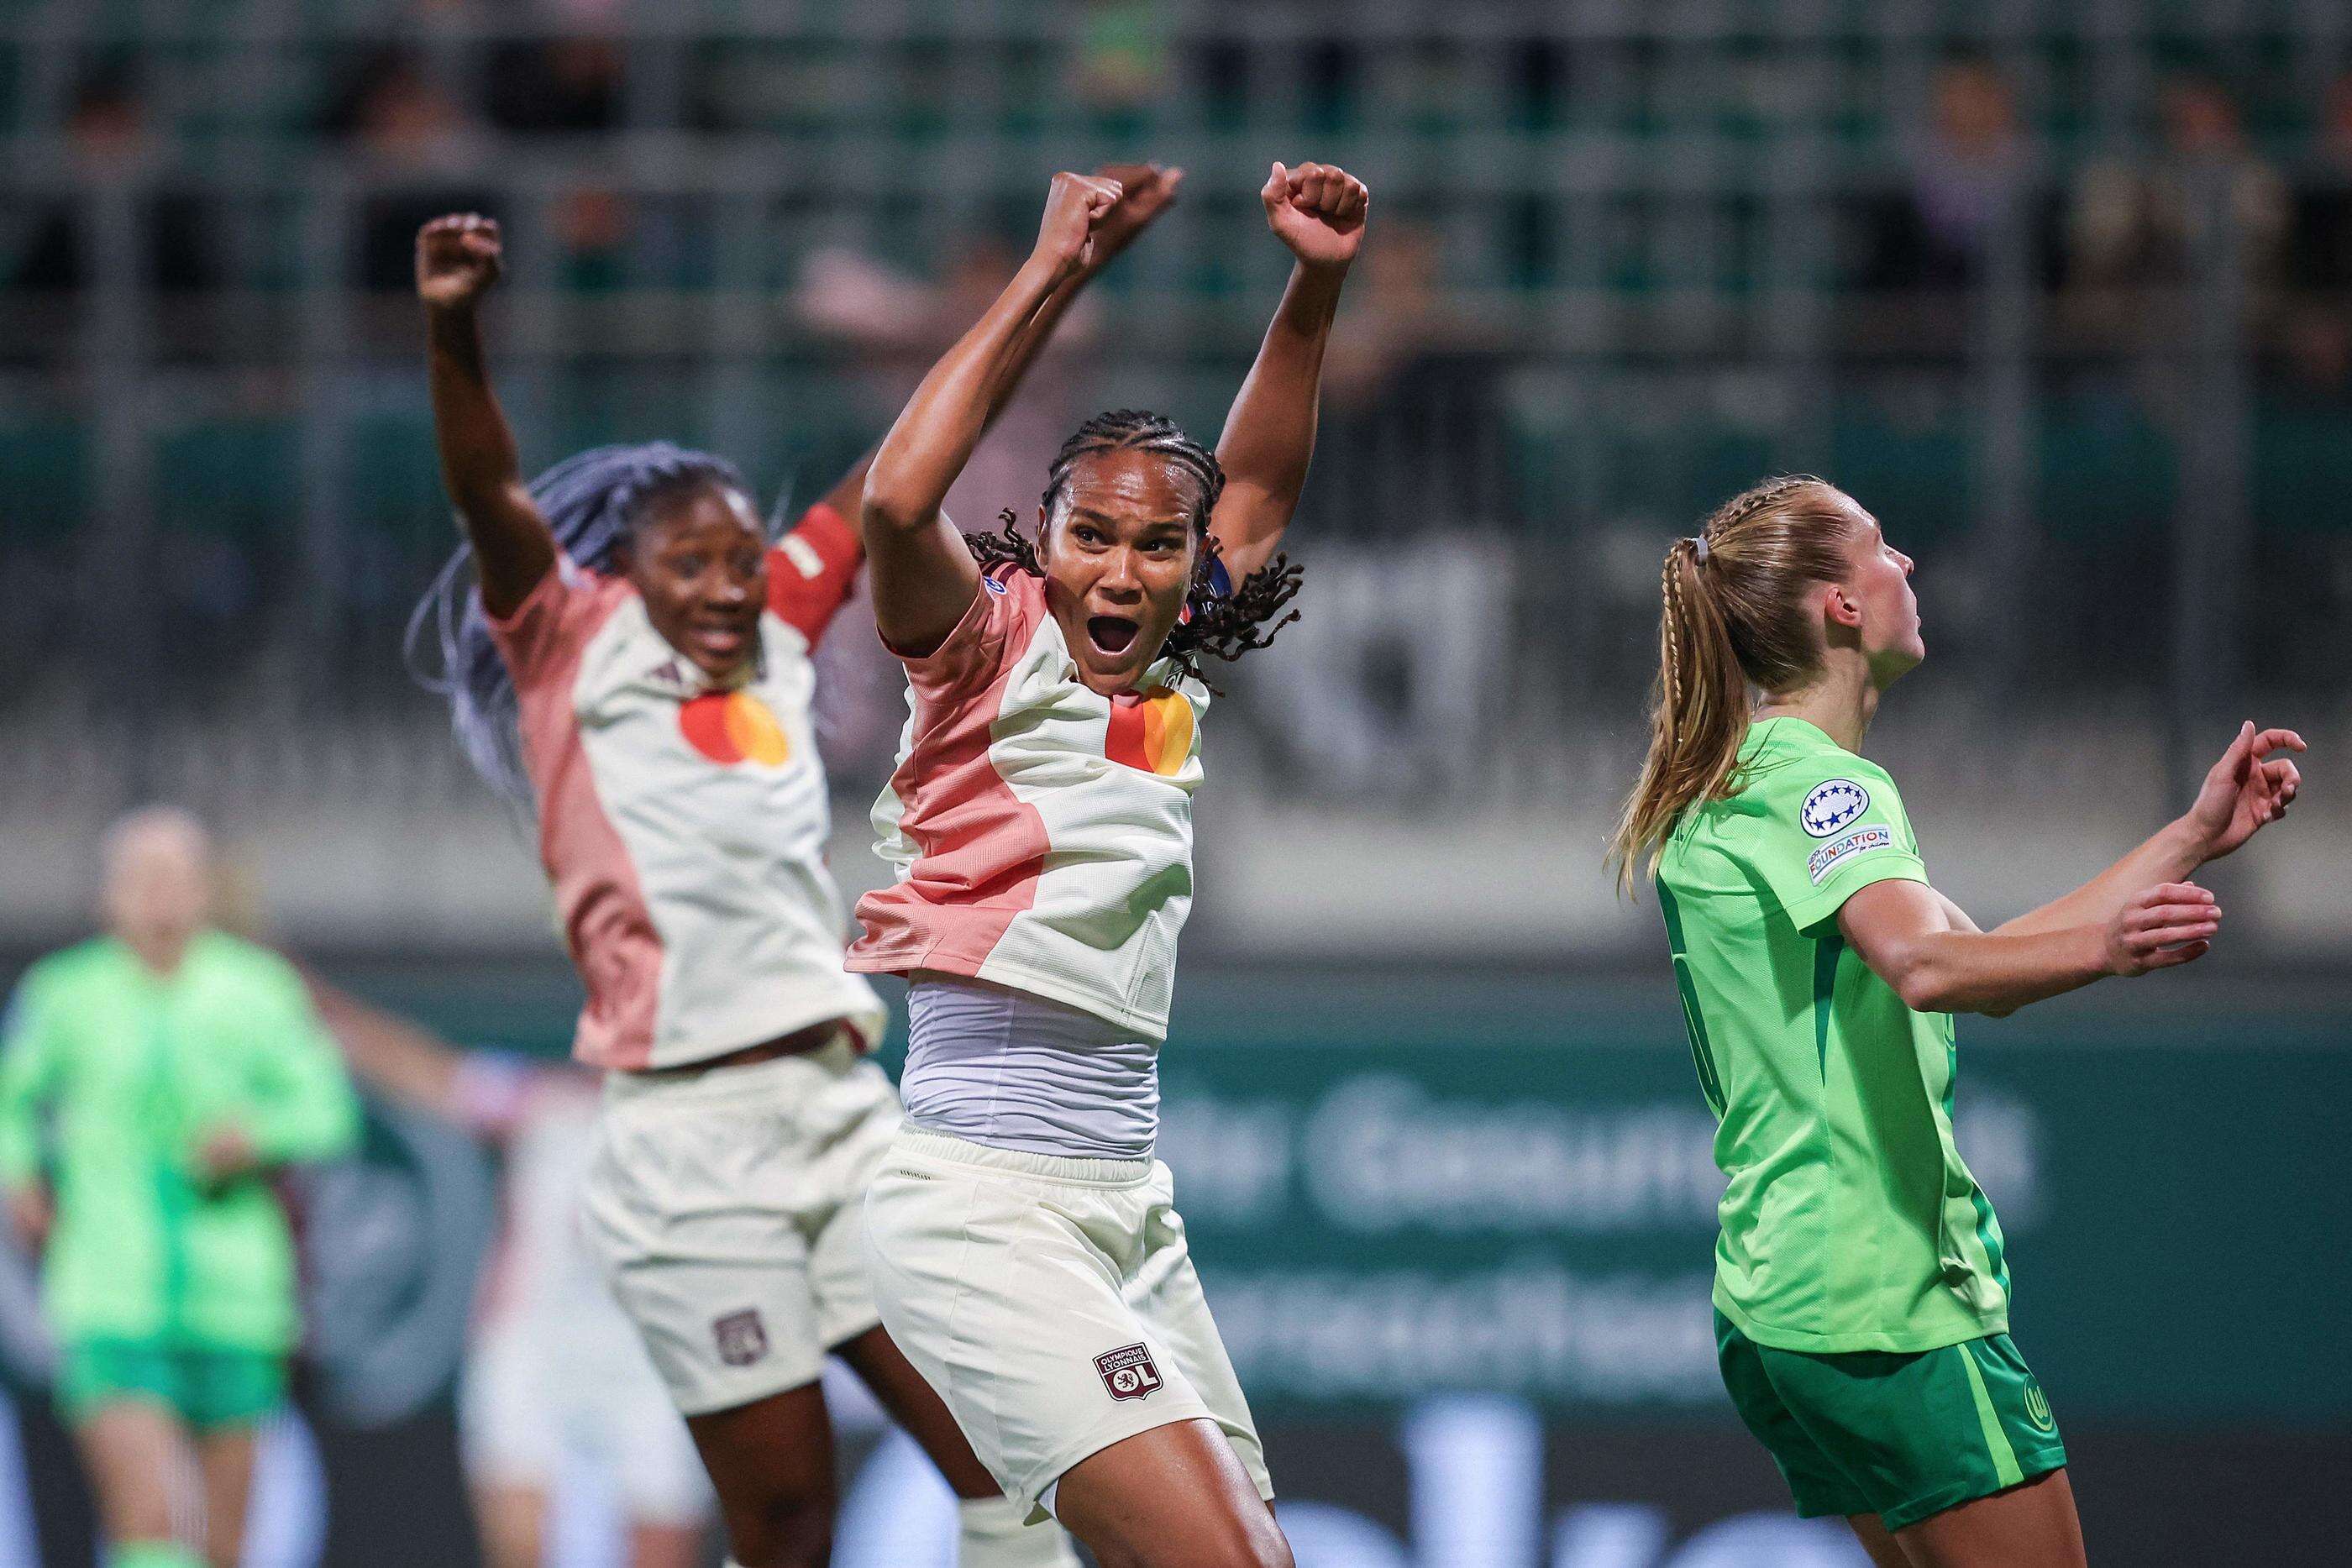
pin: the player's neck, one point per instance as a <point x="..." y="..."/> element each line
<point x="1840" y="702"/>
<point x="159" y="951"/>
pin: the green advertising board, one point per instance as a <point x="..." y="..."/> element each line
<point x="1392" y="1195"/>
<point x="1407" y="1183"/>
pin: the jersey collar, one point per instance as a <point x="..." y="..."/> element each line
<point x="1788" y="728"/>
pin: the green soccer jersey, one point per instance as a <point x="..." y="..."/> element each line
<point x="1850" y="1222"/>
<point x="113" y="1076"/>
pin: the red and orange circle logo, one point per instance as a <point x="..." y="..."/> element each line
<point x="734" y="726"/>
<point x="1150" y="730"/>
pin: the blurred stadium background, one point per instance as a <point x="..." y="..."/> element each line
<point x="2061" y="291"/>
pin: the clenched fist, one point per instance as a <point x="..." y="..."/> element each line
<point x="457" y="258"/>
<point x="1145" y="190"/>
<point x="1075" y="209"/>
<point x="1318" y="210"/>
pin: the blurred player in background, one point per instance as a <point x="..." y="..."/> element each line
<point x="553" y="1371"/>
<point x="635" y="660"/>
<point x="1862" y="1299"/>
<point x="153" y="1079"/>
<point x="1028" y="1253"/>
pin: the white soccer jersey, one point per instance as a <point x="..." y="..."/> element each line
<point x="1041" y="830"/>
<point x="684" y="825"/>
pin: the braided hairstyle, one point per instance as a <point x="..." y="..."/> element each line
<point x="1733" y="618"/>
<point x="594" y="502"/>
<point x="1220" y="618"/>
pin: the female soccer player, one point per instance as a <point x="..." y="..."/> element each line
<point x="636" y="659"/>
<point x="171" y="1070"/>
<point x="1025" y="1249"/>
<point x="1862" y="1301"/>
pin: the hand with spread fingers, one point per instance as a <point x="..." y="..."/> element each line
<point x="1318" y="211"/>
<point x="458" y="259"/>
<point x="2247" y="791"/>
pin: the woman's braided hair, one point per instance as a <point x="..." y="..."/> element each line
<point x="1222" y="619"/>
<point x="1732" y="619"/>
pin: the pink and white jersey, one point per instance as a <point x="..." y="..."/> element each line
<point x="684" y="825"/>
<point x="1042" y="832"/>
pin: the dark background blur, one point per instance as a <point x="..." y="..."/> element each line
<point x="2063" y="292"/>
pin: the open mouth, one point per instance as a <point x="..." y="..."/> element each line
<point x="1112" y="634"/>
<point x="719" y="642"/>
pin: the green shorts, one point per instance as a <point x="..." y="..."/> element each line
<point x="206" y="1386"/>
<point x="1900" y="1436"/>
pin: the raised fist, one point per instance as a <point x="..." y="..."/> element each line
<point x="1145" y="190"/>
<point x="1318" y="210"/>
<point x="1075" y="209"/>
<point x="457" y="258"/>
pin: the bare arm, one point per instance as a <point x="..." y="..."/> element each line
<point x="1905" y="931"/>
<point x="392" y="1054"/>
<point x="1318" y="211"/>
<point x="924" y="578"/>
<point x="458" y="259"/>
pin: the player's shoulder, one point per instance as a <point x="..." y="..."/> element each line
<point x="1013" y="603"/>
<point x="1012" y="583"/>
<point x="1792" y="765"/>
<point x="91" y="959"/>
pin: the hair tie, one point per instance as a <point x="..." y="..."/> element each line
<point x="1699" y="551"/>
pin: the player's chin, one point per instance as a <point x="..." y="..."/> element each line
<point x="1890" y="664"/>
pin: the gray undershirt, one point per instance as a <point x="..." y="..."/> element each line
<point x="1010" y="1070"/>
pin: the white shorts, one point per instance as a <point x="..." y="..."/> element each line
<point x="1051" y="1302"/>
<point x="727" y="1209"/>
<point x="535" y="1395"/>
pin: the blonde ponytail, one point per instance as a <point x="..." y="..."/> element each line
<point x="1732" y="618"/>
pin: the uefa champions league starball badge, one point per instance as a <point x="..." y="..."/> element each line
<point x="1831" y="805"/>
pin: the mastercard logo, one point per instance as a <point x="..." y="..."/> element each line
<point x="1150" y="730"/>
<point x="734" y="726"/>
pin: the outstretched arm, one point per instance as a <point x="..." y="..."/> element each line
<point x="1317" y="211"/>
<point x="924" y="578"/>
<point x="458" y="259"/>
<point x="2140" y="914"/>
<point x="1909" y="935"/>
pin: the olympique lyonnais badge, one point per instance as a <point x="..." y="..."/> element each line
<point x="742" y="1338"/>
<point x="1127" y="1372"/>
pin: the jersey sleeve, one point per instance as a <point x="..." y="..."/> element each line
<point x="302" y="1105"/>
<point x="1006" y="609"/>
<point x="812" y="571"/>
<point x="554" y="620"/>
<point x="30" y="1040"/>
<point x="1828" y="827"/>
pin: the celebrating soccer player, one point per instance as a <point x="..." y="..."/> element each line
<point x="1026" y="1250"/>
<point x="1862" y="1301"/>
<point x="635" y="662"/>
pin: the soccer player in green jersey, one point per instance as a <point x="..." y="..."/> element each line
<point x="1862" y="1302"/>
<point x="151" y="1082"/>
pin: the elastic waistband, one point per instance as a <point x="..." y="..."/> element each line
<point x="1044" y="1167"/>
